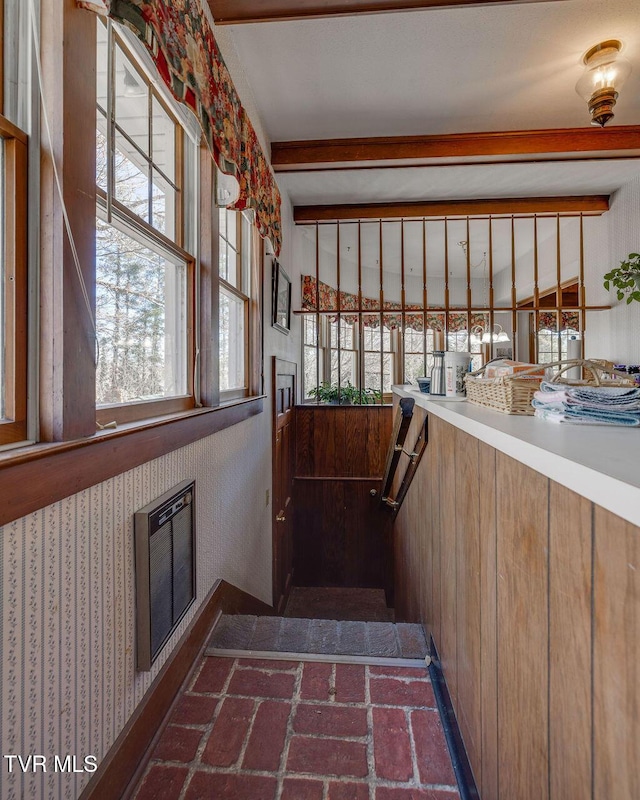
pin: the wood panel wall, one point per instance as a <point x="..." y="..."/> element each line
<point x="341" y="535"/>
<point x="532" y="596"/>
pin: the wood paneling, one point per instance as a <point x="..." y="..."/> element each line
<point x="342" y="441"/>
<point x="288" y="155"/>
<point x="616" y="651"/>
<point x="448" y="579"/>
<point x="522" y="542"/>
<point x="126" y="760"/>
<point x="569" y="644"/>
<point x="468" y="605"/>
<point x="340" y="529"/>
<point x="585" y="204"/>
<point x="546" y="627"/>
<point x="232" y="12"/>
<point x="488" y="622"/>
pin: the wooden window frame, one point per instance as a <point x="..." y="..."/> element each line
<point x="241" y="292"/>
<point x="122" y="413"/>
<point x="13" y="428"/>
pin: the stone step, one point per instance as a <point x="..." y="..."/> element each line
<point x="318" y="636"/>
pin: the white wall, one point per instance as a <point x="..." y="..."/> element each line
<point x="614" y="334"/>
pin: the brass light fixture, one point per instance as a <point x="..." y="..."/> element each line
<point x="605" y="72"/>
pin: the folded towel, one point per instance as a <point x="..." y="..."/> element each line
<point x="556" y="412"/>
<point x="604" y="395"/>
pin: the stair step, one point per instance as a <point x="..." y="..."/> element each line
<point x="236" y="632"/>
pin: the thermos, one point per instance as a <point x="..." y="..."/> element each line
<point x="438" y="384"/>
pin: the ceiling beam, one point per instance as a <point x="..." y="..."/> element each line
<point x="287" y="156"/>
<point x="581" y="204"/>
<point x="237" y="12"/>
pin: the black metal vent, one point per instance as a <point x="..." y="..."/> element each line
<point x="165" y="568"/>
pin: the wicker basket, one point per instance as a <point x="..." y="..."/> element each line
<point x="512" y="394"/>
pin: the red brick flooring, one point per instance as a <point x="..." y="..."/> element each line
<point x="248" y="729"/>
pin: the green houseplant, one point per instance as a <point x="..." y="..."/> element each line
<point x="347" y="394"/>
<point x="626" y="278"/>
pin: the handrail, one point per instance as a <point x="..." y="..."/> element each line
<point x="396" y="448"/>
<point x="401" y="425"/>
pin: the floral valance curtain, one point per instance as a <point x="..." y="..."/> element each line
<point x="413" y="318"/>
<point x="569" y="321"/>
<point x="180" y="39"/>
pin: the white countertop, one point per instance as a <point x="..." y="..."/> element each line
<point x="601" y="463"/>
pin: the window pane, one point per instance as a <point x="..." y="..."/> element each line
<point x="232" y="372"/>
<point x="413" y="367"/>
<point x="163" y="206"/>
<point x="132" y="102"/>
<point x="132" y="178"/>
<point x="101" y="152"/>
<point x="141" y="316"/>
<point x="372" y="365"/>
<point x="347" y="367"/>
<point x="311" y="378"/>
<point x="163" y="153"/>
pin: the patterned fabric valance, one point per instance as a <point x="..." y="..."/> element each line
<point x="569" y="321"/>
<point x="180" y="39"/>
<point x="413" y="318"/>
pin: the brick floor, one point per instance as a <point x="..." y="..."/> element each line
<point x="255" y="729"/>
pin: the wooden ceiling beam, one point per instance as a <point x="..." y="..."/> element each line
<point x="238" y="12"/>
<point x="580" y="204"/>
<point x="289" y="155"/>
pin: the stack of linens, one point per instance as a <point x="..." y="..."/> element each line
<point x="588" y="405"/>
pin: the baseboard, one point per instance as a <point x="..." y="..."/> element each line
<point x="461" y="766"/>
<point x="126" y="759"/>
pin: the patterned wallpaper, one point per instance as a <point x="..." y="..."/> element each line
<point x="67" y="644"/>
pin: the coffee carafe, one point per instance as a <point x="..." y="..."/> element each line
<point x="438" y="376"/>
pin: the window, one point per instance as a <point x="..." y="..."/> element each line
<point x="13" y="236"/>
<point x="234" y="271"/>
<point x="553" y="346"/>
<point x="145" y="270"/>
<point x="418" y="354"/>
<point x="343" y="352"/>
<point x="311" y="361"/>
<point x="379" y="359"/>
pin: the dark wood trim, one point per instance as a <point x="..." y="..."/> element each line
<point x="585" y="204"/>
<point x="454" y="145"/>
<point x="33" y="477"/>
<point x="232" y="12"/>
<point x="67" y="338"/>
<point x="126" y="760"/>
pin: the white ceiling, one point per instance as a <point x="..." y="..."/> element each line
<point x="457" y="183"/>
<point x="439" y="71"/>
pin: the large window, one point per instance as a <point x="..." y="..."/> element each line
<point x="234" y="270"/>
<point x="145" y="269"/>
<point x="13" y="232"/>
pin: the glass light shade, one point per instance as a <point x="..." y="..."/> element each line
<point x="486" y="338"/>
<point x="503" y="337"/>
<point x="604" y="74"/>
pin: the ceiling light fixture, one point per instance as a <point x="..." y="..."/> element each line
<point x="605" y="72"/>
<point x="480" y="336"/>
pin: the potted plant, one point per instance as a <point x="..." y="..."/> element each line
<point x="345" y="395"/>
<point x="626" y="278"/>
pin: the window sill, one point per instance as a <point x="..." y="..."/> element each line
<point x="36" y="475"/>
